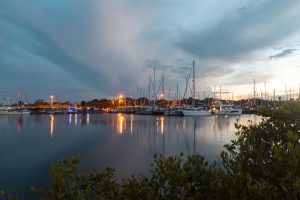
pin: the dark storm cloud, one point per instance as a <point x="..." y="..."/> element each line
<point x="18" y="36"/>
<point x="103" y="47"/>
<point x="155" y="63"/>
<point x="259" y="25"/>
<point x="182" y="69"/>
<point x="284" y="53"/>
<point x="79" y="40"/>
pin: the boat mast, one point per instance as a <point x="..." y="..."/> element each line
<point x="265" y="90"/>
<point x="163" y="87"/>
<point x="299" y="92"/>
<point x="177" y="95"/>
<point x="137" y="93"/>
<point x="254" y="94"/>
<point x="220" y="93"/>
<point x="194" y="87"/>
<point x="154" y="87"/>
<point x="186" y="87"/>
<point x="149" y="88"/>
<point x="214" y="92"/>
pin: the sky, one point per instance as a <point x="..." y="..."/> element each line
<point x="81" y="50"/>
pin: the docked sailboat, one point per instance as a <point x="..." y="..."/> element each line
<point x="193" y="110"/>
<point x="5" y="109"/>
<point x="9" y="111"/>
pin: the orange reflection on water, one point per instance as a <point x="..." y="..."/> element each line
<point x="121" y="124"/>
<point x="131" y="123"/>
<point x="160" y="125"/>
<point x="51" y="125"/>
<point x="162" y="121"/>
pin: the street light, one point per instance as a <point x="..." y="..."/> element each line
<point x="121" y="99"/>
<point x="51" y="100"/>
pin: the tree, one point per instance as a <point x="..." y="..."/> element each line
<point x="83" y="103"/>
<point x="264" y="161"/>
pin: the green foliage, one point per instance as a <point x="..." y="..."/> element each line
<point x="66" y="184"/>
<point x="7" y="196"/>
<point x="262" y="163"/>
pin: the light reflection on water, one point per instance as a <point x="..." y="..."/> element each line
<point x="29" y="143"/>
<point x="52" y="125"/>
<point x="215" y="130"/>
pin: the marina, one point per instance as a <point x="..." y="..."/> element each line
<point x="149" y="100"/>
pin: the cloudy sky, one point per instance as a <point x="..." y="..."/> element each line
<point x="77" y="49"/>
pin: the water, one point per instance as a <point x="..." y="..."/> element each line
<point x="29" y="143"/>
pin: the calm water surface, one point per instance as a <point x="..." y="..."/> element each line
<point x="29" y="143"/>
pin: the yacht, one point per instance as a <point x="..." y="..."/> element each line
<point x="10" y="111"/>
<point x="225" y="109"/>
<point x="72" y="110"/>
<point x="193" y="110"/>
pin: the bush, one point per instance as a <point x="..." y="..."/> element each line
<point x="264" y="161"/>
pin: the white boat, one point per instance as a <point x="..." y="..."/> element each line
<point x="225" y="109"/>
<point x="10" y="111"/>
<point x="194" y="111"/>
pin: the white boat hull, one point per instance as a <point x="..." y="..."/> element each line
<point x="14" y="113"/>
<point x="10" y="113"/>
<point x="229" y="112"/>
<point x="5" y="110"/>
<point x="196" y="113"/>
